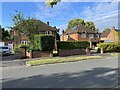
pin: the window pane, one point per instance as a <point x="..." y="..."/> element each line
<point x="83" y="35"/>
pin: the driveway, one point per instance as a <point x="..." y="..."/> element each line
<point x="101" y="73"/>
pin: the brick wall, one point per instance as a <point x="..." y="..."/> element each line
<point x="71" y="52"/>
<point x="37" y="54"/>
<point x="77" y="37"/>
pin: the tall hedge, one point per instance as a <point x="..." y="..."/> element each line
<point x="44" y="42"/>
<point x="109" y="47"/>
<point x="72" y="45"/>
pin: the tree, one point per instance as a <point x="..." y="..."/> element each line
<point x="5" y="34"/>
<point x="27" y="26"/>
<point x="51" y="3"/>
<point x="79" y="21"/>
<point x="107" y="29"/>
<point x="75" y="22"/>
<point x="90" y="25"/>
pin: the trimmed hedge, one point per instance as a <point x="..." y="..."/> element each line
<point x="43" y="42"/>
<point x="109" y="47"/>
<point x="72" y="45"/>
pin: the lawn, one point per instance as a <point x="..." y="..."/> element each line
<point x="60" y="60"/>
<point x="115" y="54"/>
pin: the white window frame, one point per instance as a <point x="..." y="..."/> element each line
<point x="48" y="32"/>
<point x="24" y="42"/>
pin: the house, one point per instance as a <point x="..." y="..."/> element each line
<point x="44" y="29"/>
<point x="81" y="33"/>
<point x="110" y="36"/>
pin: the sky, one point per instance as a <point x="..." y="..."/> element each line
<point x="103" y="14"/>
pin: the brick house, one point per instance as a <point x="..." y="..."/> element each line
<point x="112" y="36"/>
<point x="81" y="33"/>
<point x="44" y="29"/>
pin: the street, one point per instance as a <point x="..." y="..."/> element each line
<point x="96" y="73"/>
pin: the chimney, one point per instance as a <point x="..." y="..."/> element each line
<point x="113" y="28"/>
<point x="48" y="23"/>
<point x="63" y="32"/>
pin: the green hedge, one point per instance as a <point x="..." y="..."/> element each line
<point x="72" y="45"/>
<point x="43" y="42"/>
<point x="16" y="49"/>
<point x="109" y="47"/>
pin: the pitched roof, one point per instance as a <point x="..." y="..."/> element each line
<point x="43" y="26"/>
<point x="80" y="29"/>
<point x="105" y="33"/>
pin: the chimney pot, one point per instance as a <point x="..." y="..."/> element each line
<point x="113" y="28"/>
<point x="48" y="23"/>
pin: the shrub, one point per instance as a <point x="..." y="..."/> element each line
<point x="72" y="45"/>
<point x="109" y="47"/>
<point x="43" y="42"/>
<point x="16" y="49"/>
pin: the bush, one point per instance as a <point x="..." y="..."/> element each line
<point x="72" y="45"/>
<point x="109" y="47"/>
<point x="16" y="49"/>
<point x="43" y="42"/>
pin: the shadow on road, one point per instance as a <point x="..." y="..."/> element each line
<point x="96" y="78"/>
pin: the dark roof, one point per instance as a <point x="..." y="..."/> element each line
<point x="80" y="29"/>
<point x="43" y="26"/>
<point x="105" y="33"/>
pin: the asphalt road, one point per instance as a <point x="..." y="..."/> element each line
<point x="97" y="73"/>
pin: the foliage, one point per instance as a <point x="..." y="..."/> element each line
<point x="44" y="42"/>
<point x="79" y="21"/>
<point x="51" y="3"/>
<point x="110" y="47"/>
<point x="107" y="29"/>
<point x="72" y="45"/>
<point x="60" y="60"/>
<point x="117" y="39"/>
<point x="5" y="34"/>
<point x="27" y="26"/>
<point x="16" y="49"/>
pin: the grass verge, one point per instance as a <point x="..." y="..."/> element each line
<point x="60" y="60"/>
<point x="115" y="54"/>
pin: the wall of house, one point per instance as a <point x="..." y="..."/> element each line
<point x="18" y="37"/>
<point x="113" y="35"/>
<point x="84" y="39"/>
<point x="78" y="37"/>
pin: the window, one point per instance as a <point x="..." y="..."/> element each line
<point x="48" y="33"/>
<point x="83" y="35"/>
<point x="37" y="32"/>
<point x="67" y="36"/>
<point x="91" y="35"/>
<point x="10" y="42"/>
<point x="97" y="35"/>
<point x="24" y="42"/>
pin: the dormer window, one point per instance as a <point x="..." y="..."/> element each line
<point x="84" y="34"/>
<point x="97" y="35"/>
<point x="91" y="35"/>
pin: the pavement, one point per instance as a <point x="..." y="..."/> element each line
<point x="96" y="73"/>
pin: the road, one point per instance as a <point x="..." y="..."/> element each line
<point x="96" y="73"/>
